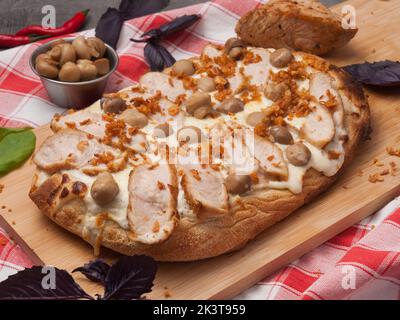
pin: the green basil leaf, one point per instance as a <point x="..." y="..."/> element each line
<point x="16" y="145"/>
<point x="6" y="131"/>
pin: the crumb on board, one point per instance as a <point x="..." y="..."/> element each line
<point x="377" y="163"/>
<point x="13" y="223"/>
<point x="384" y="172"/>
<point x="167" y="293"/>
<point x="3" y="207"/>
<point x="393" y="151"/>
<point x="374" y="178"/>
<point x="393" y="168"/>
<point x="1" y="188"/>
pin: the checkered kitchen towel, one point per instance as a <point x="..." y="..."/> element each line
<point x="362" y="262"/>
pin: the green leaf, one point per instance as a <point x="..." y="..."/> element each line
<point x="6" y="131"/>
<point x="16" y="145"/>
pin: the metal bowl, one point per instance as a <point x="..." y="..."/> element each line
<point x="76" y="95"/>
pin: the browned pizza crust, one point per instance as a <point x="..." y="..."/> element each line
<point x="252" y="215"/>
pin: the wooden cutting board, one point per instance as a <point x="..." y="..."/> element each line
<point x="352" y="198"/>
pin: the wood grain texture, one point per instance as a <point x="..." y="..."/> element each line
<point x="352" y="198"/>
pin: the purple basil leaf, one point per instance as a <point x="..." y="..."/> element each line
<point x="382" y="73"/>
<point x="176" y="25"/>
<point x="27" y="284"/>
<point x="110" y="24"/>
<point x="158" y="57"/>
<point x="109" y="27"/>
<point x="137" y="8"/>
<point x="130" y="277"/>
<point x="95" y="270"/>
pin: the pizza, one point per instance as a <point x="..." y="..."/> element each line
<point x="199" y="159"/>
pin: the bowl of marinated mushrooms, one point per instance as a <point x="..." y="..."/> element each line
<point x="74" y="71"/>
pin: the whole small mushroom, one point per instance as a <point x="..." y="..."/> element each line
<point x="298" y="154"/>
<point x="206" y="84"/>
<point x="55" y="53"/>
<point x="183" y="68"/>
<point x="255" y="118"/>
<point x="104" y="189"/>
<point x="103" y="66"/>
<point x="70" y="72"/>
<point x="275" y="91"/>
<point x="88" y="70"/>
<point x="281" y="58"/>
<point x="134" y="118"/>
<point x="98" y="45"/>
<point x="83" y="50"/>
<point x="202" y="112"/>
<point x="281" y="135"/>
<point x="44" y="56"/>
<point x="237" y="184"/>
<point x="68" y="53"/>
<point x="113" y="104"/>
<point x="47" y="69"/>
<point x="197" y="100"/>
<point x="231" y="105"/>
<point x="234" y="48"/>
<point x="236" y="53"/>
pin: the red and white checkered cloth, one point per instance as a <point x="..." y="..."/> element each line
<point x="361" y="263"/>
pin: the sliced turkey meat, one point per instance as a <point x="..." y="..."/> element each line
<point x="205" y="190"/>
<point x="237" y="155"/>
<point x="164" y="104"/>
<point x="138" y="142"/>
<point x="318" y="128"/>
<point x="321" y="87"/>
<point x="320" y="83"/>
<point x="169" y="87"/>
<point x="94" y="124"/>
<point x="165" y="116"/>
<point x="348" y="106"/>
<point x="67" y="149"/>
<point x="152" y="212"/>
<point x="258" y="72"/>
<point x="84" y="120"/>
<point x="270" y="158"/>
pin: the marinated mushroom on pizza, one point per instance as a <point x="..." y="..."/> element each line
<point x="197" y="160"/>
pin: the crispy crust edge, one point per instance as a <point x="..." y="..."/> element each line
<point x="249" y="217"/>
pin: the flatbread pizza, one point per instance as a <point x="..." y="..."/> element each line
<point x="197" y="160"/>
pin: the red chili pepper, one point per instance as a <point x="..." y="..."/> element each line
<point x="72" y="25"/>
<point x="9" y="41"/>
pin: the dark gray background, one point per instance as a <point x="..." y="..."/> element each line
<point x="16" y="14"/>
